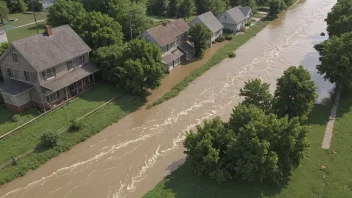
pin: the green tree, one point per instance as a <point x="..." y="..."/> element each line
<point x="97" y="29"/>
<point x="49" y="139"/>
<point x="16" y="6"/>
<point x="266" y="147"/>
<point x="158" y="7"/>
<point x="126" y="12"/>
<point x="3" y="47"/>
<point x="216" y="7"/>
<point x="141" y="67"/>
<point x="37" y="5"/>
<point x="96" y="5"/>
<point x="257" y="93"/>
<point x="107" y="59"/>
<point x="339" y="20"/>
<point x="187" y="8"/>
<point x="64" y="12"/>
<point x="206" y="149"/>
<point x="4" y="11"/>
<point x="276" y="6"/>
<point x="336" y="59"/>
<point x="295" y="93"/>
<point x="200" y="36"/>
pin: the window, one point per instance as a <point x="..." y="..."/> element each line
<point x="15" y="57"/>
<point x="58" y="94"/>
<point x="225" y="17"/>
<point x="9" y="72"/>
<point x="27" y="76"/>
<point x="69" y="65"/>
<point x="80" y="61"/>
<point x="49" y="73"/>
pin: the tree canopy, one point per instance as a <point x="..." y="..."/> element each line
<point x="200" y="36"/>
<point x="16" y="6"/>
<point x="257" y="93"/>
<point x="97" y="29"/>
<point x="260" y="147"/>
<point x="295" y="93"/>
<point x="336" y="59"/>
<point x="339" y="20"/>
<point x="126" y="12"/>
<point x="4" y="11"/>
<point x="216" y="7"/>
<point x="276" y="6"/>
<point x="64" y="12"/>
<point x="96" y="5"/>
<point x="3" y="47"/>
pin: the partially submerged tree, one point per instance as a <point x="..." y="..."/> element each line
<point x="64" y="12"/>
<point x="200" y="36"/>
<point x="336" y="59"/>
<point x="295" y="93"/>
<point x="339" y="20"/>
<point x="141" y="67"/>
<point x="97" y="30"/>
<point x="258" y="94"/>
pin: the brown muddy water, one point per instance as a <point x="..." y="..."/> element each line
<point x="130" y="157"/>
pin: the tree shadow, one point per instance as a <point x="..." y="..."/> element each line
<point x="183" y="182"/>
<point x="345" y="103"/>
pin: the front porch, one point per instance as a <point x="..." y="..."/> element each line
<point x="53" y="98"/>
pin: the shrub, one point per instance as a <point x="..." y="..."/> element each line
<point x="49" y="139"/>
<point x="220" y="39"/>
<point x="228" y="38"/>
<point x="248" y="24"/>
<point x="232" y="54"/>
<point x="76" y="125"/>
<point x="16" y="118"/>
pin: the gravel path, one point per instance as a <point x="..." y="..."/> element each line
<point x="330" y="126"/>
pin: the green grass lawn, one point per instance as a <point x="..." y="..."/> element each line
<point x="23" y="19"/>
<point x="29" y="136"/>
<point x="23" y="32"/>
<point x="307" y="181"/>
<point x="219" y="56"/>
<point x="6" y="123"/>
<point x="93" y="124"/>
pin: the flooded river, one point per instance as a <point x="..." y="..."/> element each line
<point x="130" y="157"/>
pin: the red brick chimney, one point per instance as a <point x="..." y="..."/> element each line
<point x="48" y="30"/>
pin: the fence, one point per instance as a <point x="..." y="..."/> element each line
<point x="64" y="129"/>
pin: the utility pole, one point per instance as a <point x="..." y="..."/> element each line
<point x="35" y="18"/>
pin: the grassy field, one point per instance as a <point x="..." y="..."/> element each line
<point x="28" y="137"/>
<point x="23" y="19"/>
<point x="6" y="123"/>
<point x="93" y="124"/>
<point x="219" y="56"/>
<point x="23" y="32"/>
<point x="307" y="181"/>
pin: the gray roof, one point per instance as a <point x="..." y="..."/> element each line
<point x="186" y="47"/>
<point x="168" y="58"/>
<point x="167" y="33"/>
<point x="43" y="52"/>
<point x="70" y="77"/>
<point x="245" y="10"/>
<point x="209" y="20"/>
<point x="14" y="87"/>
<point x="236" y="14"/>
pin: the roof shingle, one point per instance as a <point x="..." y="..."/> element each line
<point x="43" y="52"/>
<point x="236" y="14"/>
<point x="165" y="34"/>
<point x="210" y="21"/>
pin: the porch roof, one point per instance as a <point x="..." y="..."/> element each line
<point x="14" y="87"/>
<point x="70" y="77"/>
<point x="168" y="58"/>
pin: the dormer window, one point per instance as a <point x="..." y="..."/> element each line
<point x="49" y="73"/>
<point x="69" y="65"/>
<point x="225" y="17"/>
<point x="15" y="57"/>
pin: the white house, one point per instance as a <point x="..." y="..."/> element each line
<point x="235" y="18"/>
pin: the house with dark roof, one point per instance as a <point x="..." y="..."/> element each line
<point x="211" y="22"/>
<point x="172" y="40"/>
<point x="235" y="18"/>
<point x="45" y="69"/>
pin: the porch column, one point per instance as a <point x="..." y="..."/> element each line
<point x="66" y="93"/>
<point x="41" y="93"/>
<point x="82" y="81"/>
